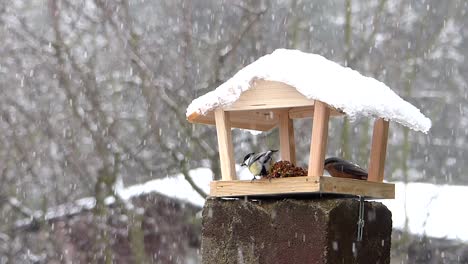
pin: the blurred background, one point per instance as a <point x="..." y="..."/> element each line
<point x="94" y="94"/>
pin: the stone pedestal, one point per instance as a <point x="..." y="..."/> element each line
<point x="294" y="231"/>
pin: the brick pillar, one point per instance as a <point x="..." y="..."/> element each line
<point x="294" y="231"/>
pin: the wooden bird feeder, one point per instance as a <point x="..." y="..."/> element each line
<point x="267" y="104"/>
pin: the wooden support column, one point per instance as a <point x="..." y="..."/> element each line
<point x="378" y="150"/>
<point x="229" y="228"/>
<point x="226" y="156"/>
<point x="286" y="135"/>
<point x="318" y="144"/>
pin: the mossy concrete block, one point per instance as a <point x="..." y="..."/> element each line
<point x="294" y="231"/>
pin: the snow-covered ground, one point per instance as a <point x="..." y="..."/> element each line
<point x="436" y="210"/>
<point x="178" y="187"/>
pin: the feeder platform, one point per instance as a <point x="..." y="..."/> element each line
<point x="302" y="185"/>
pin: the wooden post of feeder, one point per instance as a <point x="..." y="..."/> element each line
<point x="223" y="130"/>
<point x="286" y="135"/>
<point x="318" y="144"/>
<point x="378" y="150"/>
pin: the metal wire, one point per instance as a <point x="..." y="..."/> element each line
<point x="360" y="222"/>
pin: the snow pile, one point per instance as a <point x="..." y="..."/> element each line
<point x="320" y="79"/>
<point x="431" y="209"/>
<point x="175" y="187"/>
<point x="62" y="210"/>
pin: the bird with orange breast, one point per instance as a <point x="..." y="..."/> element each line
<point x="341" y="168"/>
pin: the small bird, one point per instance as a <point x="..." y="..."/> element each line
<point x="259" y="164"/>
<point x="338" y="167"/>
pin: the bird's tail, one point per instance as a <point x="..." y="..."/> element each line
<point x="270" y="152"/>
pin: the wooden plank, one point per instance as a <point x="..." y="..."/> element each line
<point x="269" y="95"/>
<point x="308" y="112"/>
<point x="303" y="185"/>
<point x="262" y="120"/>
<point x="286" y="134"/>
<point x="258" y="119"/>
<point x="263" y="186"/>
<point x="378" y="150"/>
<point x="301" y="112"/>
<point x="357" y="187"/>
<point x="318" y="144"/>
<point x="226" y="156"/>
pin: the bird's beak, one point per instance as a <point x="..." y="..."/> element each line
<point x="243" y="164"/>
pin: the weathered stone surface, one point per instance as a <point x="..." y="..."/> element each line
<point x="294" y="231"/>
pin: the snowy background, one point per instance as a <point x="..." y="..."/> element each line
<point x="94" y="96"/>
<point x="428" y="208"/>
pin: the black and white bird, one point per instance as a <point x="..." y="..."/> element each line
<point x="259" y="164"/>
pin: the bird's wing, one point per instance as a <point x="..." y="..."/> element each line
<point x="256" y="157"/>
<point x="262" y="157"/>
<point x="350" y="168"/>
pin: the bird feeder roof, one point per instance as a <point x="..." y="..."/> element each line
<point x="307" y="77"/>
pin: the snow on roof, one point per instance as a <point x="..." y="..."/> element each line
<point x="320" y="79"/>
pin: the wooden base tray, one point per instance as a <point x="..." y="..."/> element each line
<point x="302" y="185"/>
